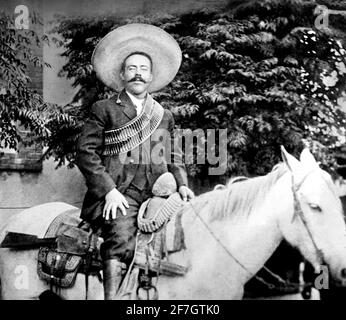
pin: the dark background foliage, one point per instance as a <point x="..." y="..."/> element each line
<point x="18" y="103"/>
<point x="257" y="69"/>
<point x="254" y="70"/>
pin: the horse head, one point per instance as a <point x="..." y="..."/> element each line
<point x="317" y="226"/>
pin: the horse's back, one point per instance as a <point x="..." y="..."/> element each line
<point x="18" y="268"/>
<point x="36" y="220"/>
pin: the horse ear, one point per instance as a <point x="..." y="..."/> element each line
<point x="308" y="160"/>
<point x="292" y="163"/>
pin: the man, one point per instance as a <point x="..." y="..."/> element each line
<point x="136" y="59"/>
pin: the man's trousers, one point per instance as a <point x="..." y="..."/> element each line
<point x="119" y="234"/>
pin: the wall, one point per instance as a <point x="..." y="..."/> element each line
<point x="28" y="157"/>
<point x="19" y="190"/>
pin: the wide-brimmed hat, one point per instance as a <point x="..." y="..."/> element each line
<point x="112" y="50"/>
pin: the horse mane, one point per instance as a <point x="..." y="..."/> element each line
<point x="242" y="195"/>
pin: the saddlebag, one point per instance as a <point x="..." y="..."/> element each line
<point x="77" y="250"/>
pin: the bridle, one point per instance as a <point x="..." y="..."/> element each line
<point x="298" y="212"/>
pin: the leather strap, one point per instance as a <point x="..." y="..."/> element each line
<point x="136" y="131"/>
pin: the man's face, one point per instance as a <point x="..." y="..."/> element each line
<point x="137" y="74"/>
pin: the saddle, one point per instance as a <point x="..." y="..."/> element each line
<point x="76" y="250"/>
<point x="160" y="234"/>
<point x="67" y="248"/>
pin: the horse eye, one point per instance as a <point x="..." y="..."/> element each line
<point x="316" y="207"/>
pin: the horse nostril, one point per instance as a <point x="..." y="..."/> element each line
<point x="343" y="273"/>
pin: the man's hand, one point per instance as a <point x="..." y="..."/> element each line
<point x="114" y="200"/>
<point x="186" y="193"/>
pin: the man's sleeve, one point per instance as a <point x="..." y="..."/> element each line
<point x="89" y="150"/>
<point x="176" y="165"/>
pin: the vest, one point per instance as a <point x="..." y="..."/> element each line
<point x="138" y="188"/>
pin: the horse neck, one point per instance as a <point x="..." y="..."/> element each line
<point x="263" y="233"/>
<point x="254" y="241"/>
<point x="249" y="240"/>
<point x="259" y="235"/>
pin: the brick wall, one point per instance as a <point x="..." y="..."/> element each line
<point x="35" y="72"/>
<point x="28" y="157"/>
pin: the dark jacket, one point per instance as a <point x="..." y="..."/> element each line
<point x="103" y="173"/>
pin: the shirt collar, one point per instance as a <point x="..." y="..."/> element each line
<point x="137" y="102"/>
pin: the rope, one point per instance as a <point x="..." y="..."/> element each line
<point x="253" y="275"/>
<point x="299" y="212"/>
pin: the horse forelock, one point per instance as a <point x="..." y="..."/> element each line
<point x="330" y="186"/>
<point x="241" y="198"/>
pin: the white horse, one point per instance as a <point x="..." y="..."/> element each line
<point x="229" y="234"/>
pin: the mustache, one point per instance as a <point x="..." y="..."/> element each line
<point x="137" y="78"/>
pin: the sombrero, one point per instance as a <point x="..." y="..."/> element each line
<point x="119" y="43"/>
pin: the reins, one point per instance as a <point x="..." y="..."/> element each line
<point x="297" y="212"/>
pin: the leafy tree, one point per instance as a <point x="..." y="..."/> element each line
<point x="18" y="103"/>
<point x="261" y="71"/>
<point x="337" y="24"/>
